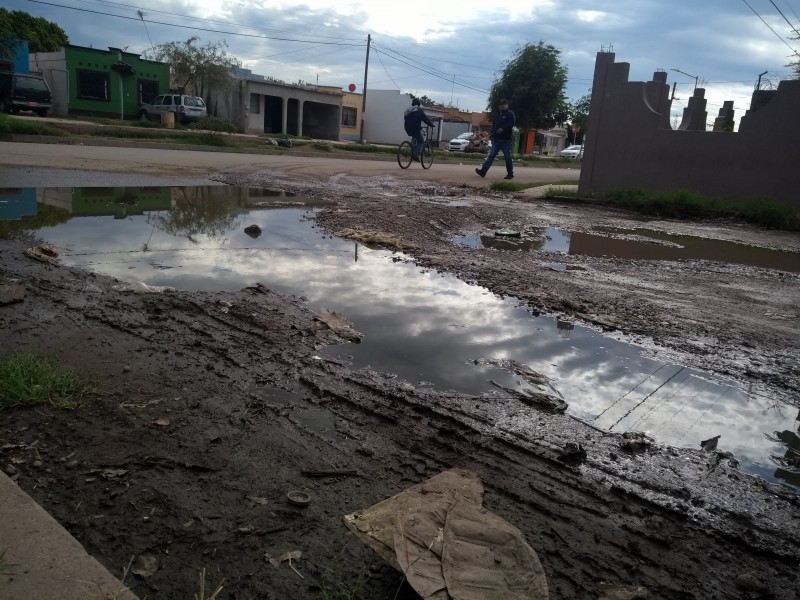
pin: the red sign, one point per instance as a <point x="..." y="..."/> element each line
<point x="352" y="87"/>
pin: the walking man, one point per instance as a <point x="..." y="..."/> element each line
<point x="502" y="130"/>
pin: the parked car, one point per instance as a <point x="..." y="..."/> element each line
<point x="186" y="108"/>
<point x="460" y="142"/>
<point x="575" y="151"/>
<point x="25" y="91"/>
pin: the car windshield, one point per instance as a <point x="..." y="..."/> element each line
<point x="32" y="83"/>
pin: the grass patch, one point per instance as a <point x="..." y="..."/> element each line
<point x="685" y="205"/>
<point x="11" y="126"/>
<point x="6" y="568"/>
<point x="518" y="186"/>
<point x="27" y="380"/>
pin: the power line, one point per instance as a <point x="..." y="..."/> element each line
<point x="247" y="35"/>
<point x="770" y="28"/>
<point x="784" y="18"/>
<point x="190" y="17"/>
<point x="430" y="71"/>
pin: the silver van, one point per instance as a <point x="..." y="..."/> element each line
<point x="186" y="108"/>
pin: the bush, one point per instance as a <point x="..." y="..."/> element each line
<point x="215" y="124"/>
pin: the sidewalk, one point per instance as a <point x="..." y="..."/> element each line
<point x="49" y="564"/>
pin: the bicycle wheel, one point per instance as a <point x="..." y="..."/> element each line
<point x="426" y="158"/>
<point x="404" y="154"/>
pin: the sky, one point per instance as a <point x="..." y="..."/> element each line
<point x="452" y="51"/>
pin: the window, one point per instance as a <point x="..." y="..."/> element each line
<point x="348" y="116"/>
<point x="255" y="104"/>
<point x="93" y="85"/>
<point x="147" y="90"/>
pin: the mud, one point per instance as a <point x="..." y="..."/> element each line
<point x="185" y="454"/>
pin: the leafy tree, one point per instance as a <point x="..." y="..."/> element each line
<point x="42" y="35"/>
<point x="201" y="69"/>
<point x="579" y="116"/>
<point x="795" y="64"/>
<point x="424" y="100"/>
<point x="533" y="82"/>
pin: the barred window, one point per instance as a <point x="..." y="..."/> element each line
<point x="93" y="85"/>
<point x="147" y="90"/>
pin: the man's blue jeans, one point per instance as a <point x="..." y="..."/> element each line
<point x="497" y="146"/>
<point x="420" y="142"/>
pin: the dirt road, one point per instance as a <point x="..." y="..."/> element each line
<point x="184" y="457"/>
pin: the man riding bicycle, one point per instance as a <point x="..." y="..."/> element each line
<point x="413" y="119"/>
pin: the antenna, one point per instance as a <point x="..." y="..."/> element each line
<point x="141" y="16"/>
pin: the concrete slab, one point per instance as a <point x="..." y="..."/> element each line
<point x="48" y="563"/>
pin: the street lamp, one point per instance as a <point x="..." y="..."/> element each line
<point x="683" y="73"/>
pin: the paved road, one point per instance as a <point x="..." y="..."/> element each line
<point x="33" y="164"/>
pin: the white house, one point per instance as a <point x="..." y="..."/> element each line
<point x="383" y="117"/>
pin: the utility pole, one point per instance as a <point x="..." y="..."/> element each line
<point x="364" y="90"/>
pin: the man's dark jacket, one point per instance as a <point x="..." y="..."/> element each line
<point x="505" y="120"/>
<point x="413" y="119"/>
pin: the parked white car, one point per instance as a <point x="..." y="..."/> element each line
<point x="572" y="152"/>
<point x="186" y="108"/>
<point x="460" y="142"/>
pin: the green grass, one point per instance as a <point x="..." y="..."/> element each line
<point x="685" y="205"/>
<point x="27" y="380"/>
<point x="6" y="568"/>
<point x="11" y="126"/>
<point x="518" y="186"/>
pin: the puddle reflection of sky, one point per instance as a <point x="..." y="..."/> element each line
<point x="637" y="244"/>
<point x="430" y="329"/>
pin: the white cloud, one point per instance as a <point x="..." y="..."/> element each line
<point x="452" y="50"/>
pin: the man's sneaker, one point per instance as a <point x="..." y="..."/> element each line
<point x="509" y="176"/>
<point x="479" y="172"/>
<point x="415" y="158"/>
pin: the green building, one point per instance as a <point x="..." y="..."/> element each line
<point x="104" y="83"/>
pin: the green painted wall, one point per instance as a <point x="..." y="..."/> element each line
<point x="101" y="84"/>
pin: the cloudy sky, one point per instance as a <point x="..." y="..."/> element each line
<point x="452" y="50"/>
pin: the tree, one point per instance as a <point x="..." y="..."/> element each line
<point x="533" y="82"/>
<point x="42" y="35"/>
<point x="795" y="64"/>
<point x="579" y="116"/>
<point x="200" y="68"/>
<point x="423" y="100"/>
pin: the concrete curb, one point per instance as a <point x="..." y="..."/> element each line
<point x="49" y="564"/>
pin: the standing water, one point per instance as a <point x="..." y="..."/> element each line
<point x="427" y="328"/>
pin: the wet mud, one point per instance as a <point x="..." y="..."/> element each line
<point x="184" y="457"/>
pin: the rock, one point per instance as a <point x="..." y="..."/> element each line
<point x="144" y="565"/>
<point x="253" y="231"/>
<point x="749" y="582"/>
<point x="12" y="292"/>
<point x="572" y="453"/>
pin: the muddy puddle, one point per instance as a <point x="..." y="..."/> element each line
<point x="634" y="244"/>
<point x="432" y="330"/>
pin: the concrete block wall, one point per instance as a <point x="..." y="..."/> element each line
<point x="630" y="143"/>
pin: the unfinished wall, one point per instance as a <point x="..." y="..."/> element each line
<point x="630" y="143"/>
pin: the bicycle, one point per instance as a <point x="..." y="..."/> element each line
<point x="406" y="148"/>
